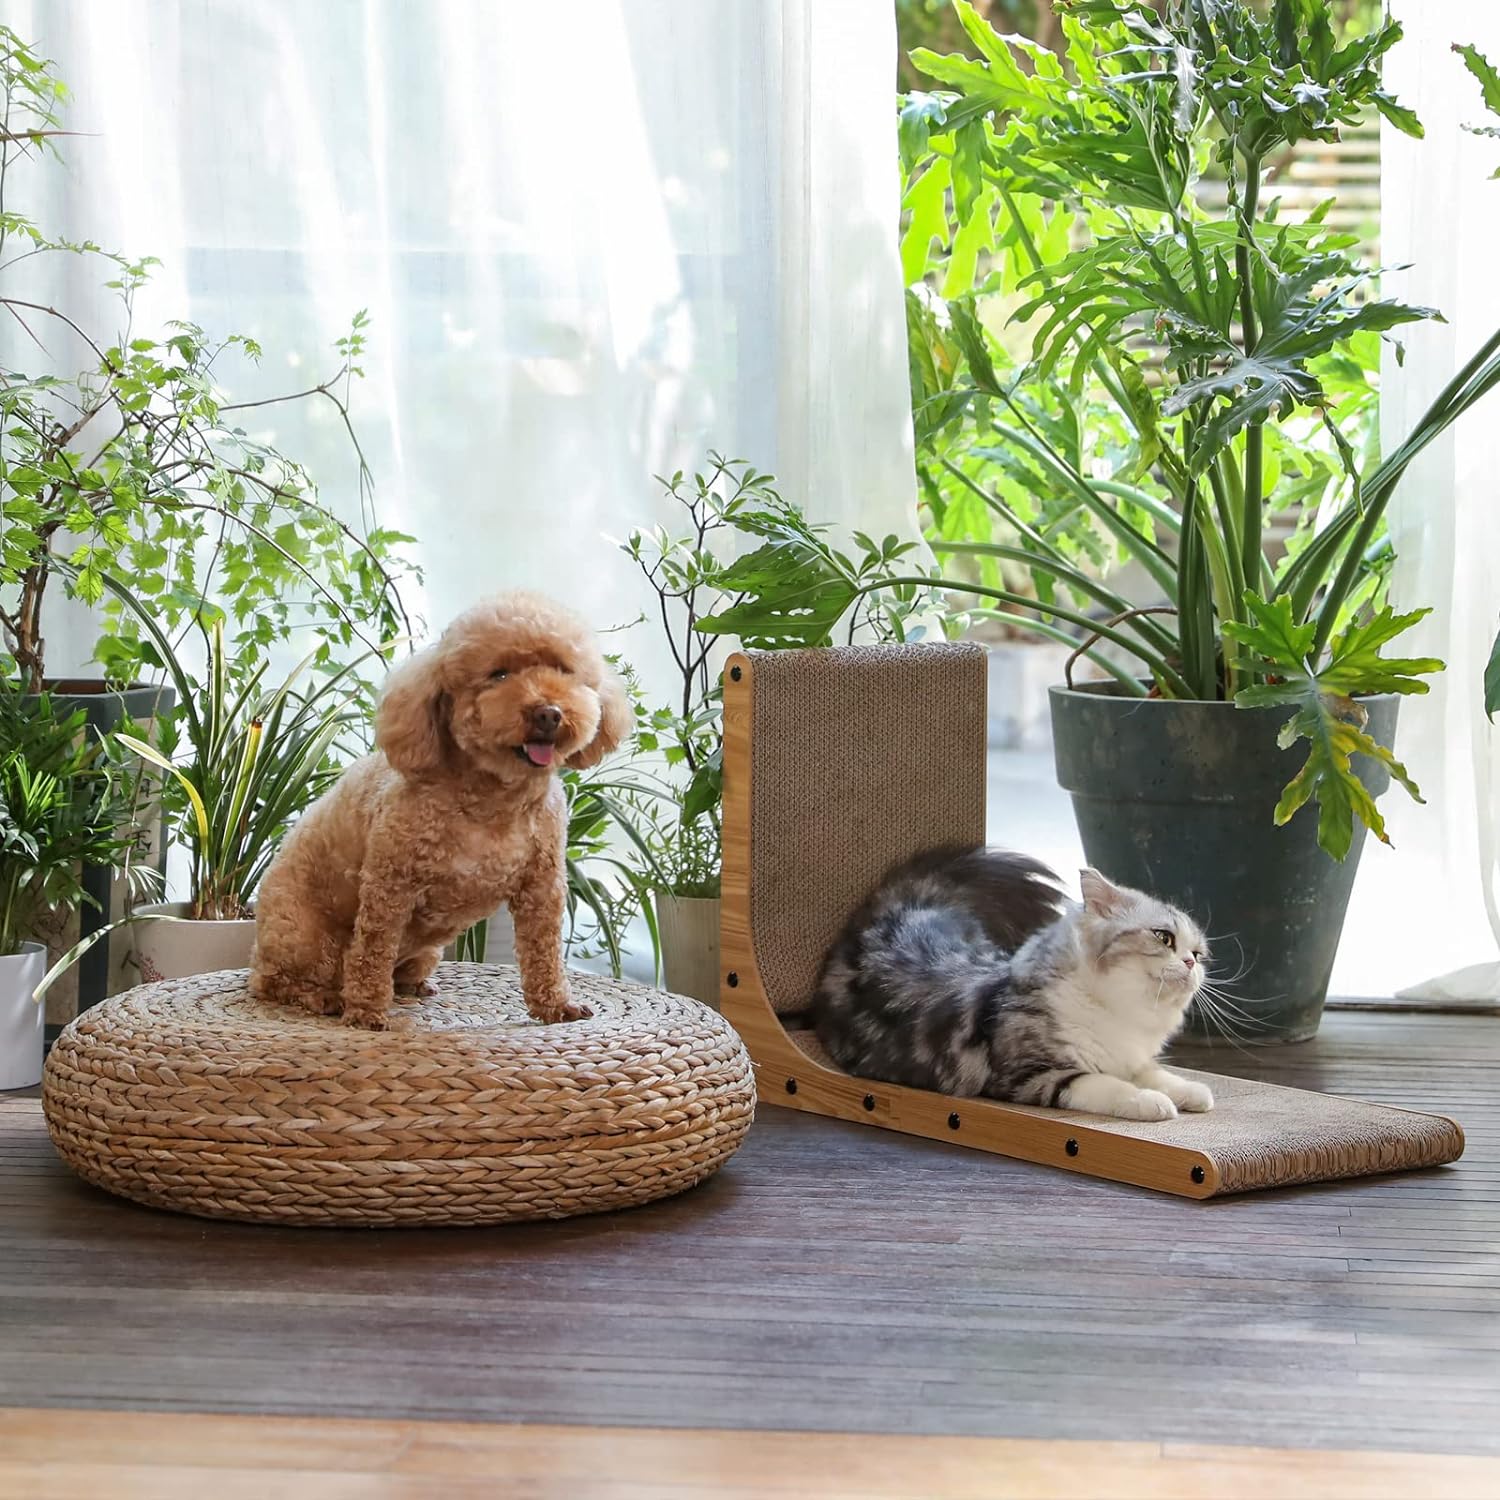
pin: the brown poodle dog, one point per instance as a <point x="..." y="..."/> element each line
<point x="457" y="812"/>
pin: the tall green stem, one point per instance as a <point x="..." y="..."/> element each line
<point x="1252" y="504"/>
<point x="1157" y="664"/>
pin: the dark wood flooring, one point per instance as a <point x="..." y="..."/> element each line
<point x="833" y="1278"/>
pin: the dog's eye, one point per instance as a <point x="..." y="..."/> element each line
<point x="499" y="674"/>
<point x="1162" y="936"/>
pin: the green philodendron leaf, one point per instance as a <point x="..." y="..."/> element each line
<point x="1485" y="71"/>
<point x="968" y="168"/>
<point x="1273" y="633"/>
<point x="1405" y="120"/>
<point x="972" y="339"/>
<point x="1329" y="716"/>
<point x="706" y="788"/>
<point x="921" y="114"/>
<point x="926" y="201"/>
<point x="1492" y="680"/>
<point x="973" y="80"/>
<point x="1356" y="666"/>
<point x="1302" y="318"/>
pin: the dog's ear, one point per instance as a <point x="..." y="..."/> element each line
<point x="411" y="718"/>
<point x="616" y="720"/>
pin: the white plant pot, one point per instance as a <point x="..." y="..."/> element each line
<point x="174" y="950"/>
<point x="689" y="927"/>
<point x="22" y="1020"/>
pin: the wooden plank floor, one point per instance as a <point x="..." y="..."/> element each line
<point x="832" y="1278"/>
<point x="53" y="1455"/>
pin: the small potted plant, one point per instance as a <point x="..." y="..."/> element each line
<point x="60" y="811"/>
<point x="243" y="762"/>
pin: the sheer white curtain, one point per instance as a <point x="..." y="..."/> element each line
<point x="595" y="240"/>
<point x="1426" y="916"/>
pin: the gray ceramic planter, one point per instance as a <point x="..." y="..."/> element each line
<point x="1177" y="798"/>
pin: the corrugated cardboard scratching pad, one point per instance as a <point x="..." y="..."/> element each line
<point x="191" y="1095"/>
<point x="831" y="778"/>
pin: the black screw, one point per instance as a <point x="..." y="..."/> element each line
<point x="869" y="1101"/>
<point x="734" y="673"/>
<point x="953" y="1121"/>
<point x="1071" y="1148"/>
<point x="791" y="1085"/>
<point x="1196" y="1174"/>
<point x="734" y="980"/>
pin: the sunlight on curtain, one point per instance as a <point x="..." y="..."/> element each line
<point x="1429" y="908"/>
<point x="595" y="240"/>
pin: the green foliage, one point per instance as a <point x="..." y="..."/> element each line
<point x="1327" y="715"/>
<point x="1170" y="375"/>
<point x="61" y="805"/>
<point x="137" y="464"/>
<point x="1489" y="83"/>
<point x="244" y="760"/>
<point x="744" y="563"/>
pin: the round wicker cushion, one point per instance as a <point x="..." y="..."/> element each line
<point x="188" y="1094"/>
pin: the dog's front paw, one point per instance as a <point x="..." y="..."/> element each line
<point x="366" y="1017"/>
<point x="423" y="989"/>
<point x="561" y="1010"/>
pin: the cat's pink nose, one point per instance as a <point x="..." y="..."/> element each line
<point x="1189" y="960"/>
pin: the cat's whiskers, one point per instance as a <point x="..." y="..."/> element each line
<point x="1218" y="1021"/>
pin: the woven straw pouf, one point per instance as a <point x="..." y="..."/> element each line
<point x="190" y="1095"/>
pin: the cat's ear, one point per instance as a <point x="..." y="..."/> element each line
<point x="1099" y="896"/>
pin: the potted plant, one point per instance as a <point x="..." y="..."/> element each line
<point x="745" y="563"/>
<point x="59" y="813"/>
<point x="123" y="456"/>
<point x="243" y="762"/>
<point x="1241" y="692"/>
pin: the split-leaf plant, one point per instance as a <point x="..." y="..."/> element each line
<point x="1213" y="332"/>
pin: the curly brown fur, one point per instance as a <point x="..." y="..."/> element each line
<point x="458" y="811"/>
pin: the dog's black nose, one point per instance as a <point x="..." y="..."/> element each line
<point x="546" y="719"/>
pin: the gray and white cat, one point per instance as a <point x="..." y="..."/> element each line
<point x="968" y="972"/>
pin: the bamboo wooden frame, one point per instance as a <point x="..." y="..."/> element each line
<point x="1381" y="1139"/>
<point x="786" y="1075"/>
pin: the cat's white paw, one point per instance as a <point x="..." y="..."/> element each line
<point x="1147" y="1104"/>
<point x="1197" y="1098"/>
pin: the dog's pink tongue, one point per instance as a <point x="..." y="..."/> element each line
<point x="539" y="755"/>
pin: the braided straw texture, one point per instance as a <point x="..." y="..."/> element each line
<point x="190" y="1095"/>
<point x="862" y="757"/>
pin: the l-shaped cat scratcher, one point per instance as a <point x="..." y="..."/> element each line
<point x="840" y="763"/>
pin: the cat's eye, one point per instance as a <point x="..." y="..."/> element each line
<point x="499" y="674"/>
<point x="1163" y="936"/>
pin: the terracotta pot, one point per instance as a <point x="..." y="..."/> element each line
<point x="689" y="927"/>
<point x="174" y="950"/>
<point x="22" y="1021"/>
